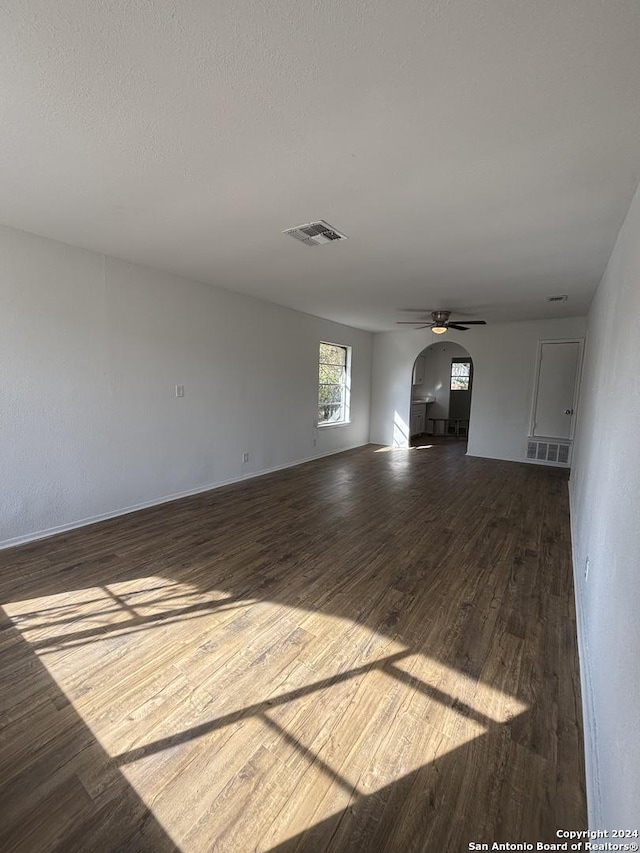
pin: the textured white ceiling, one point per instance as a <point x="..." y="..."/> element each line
<point x="479" y="155"/>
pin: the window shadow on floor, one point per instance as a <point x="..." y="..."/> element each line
<point x="58" y="788"/>
<point x="444" y="806"/>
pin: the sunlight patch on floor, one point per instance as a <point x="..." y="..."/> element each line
<point x="225" y="703"/>
<point x="396" y="449"/>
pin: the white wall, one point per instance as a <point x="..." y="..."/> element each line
<point x="91" y="349"/>
<point x="605" y="512"/>
<point x="437" y="376"/>
<point x="504" y="363"/>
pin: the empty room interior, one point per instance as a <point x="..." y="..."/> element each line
<point x="320" y="490"/>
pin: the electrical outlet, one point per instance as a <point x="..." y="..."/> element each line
<point x="245" y="457"/>
<point x="586" y="568"/>
<point x="315" y="442"/>
<point x="179" y="390"/>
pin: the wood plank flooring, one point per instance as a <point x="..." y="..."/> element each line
<point x="371" y="652"/>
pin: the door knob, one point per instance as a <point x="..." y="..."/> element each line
<point x="568" y="411"/>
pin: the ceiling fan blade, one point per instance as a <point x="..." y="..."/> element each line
<point x="457" y="326"/>
<point x="411" y="322"/>
<point x="474" y="322"/>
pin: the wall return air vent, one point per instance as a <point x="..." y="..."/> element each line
<point x="315" y="233"/>
<point x="548" y="451"/>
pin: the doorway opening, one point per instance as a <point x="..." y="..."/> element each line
<point x="441" y="390"/>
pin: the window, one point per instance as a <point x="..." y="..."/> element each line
<point x="334" y="384"/>
<point x="460" y="374"/>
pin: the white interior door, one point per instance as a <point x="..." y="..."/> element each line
<point x="556" y="390"/>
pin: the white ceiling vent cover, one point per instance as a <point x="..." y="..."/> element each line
<point x="315" y="233"/>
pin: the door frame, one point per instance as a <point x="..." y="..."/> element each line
<point x="576" y="389"/>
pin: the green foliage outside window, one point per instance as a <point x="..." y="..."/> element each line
<point x="332" y="385"/>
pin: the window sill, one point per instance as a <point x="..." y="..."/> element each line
<point x="338" y="424"/>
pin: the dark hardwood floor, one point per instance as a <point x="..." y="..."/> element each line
<point x="371" y="652"/>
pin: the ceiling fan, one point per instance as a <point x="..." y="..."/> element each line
<point x="441" y="323"/>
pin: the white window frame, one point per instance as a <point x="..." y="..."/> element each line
<point x="345" y="412"/>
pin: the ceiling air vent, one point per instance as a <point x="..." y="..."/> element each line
<point x="315" y="233"/>
<point x="562" y="298"/>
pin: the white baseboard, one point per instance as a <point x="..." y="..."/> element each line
<point x="592" y="767"/>
<point x="105" y="516"/>
<point x="520" y="459"/>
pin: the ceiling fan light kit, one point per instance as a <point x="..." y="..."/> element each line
<point x="441" y="323"/>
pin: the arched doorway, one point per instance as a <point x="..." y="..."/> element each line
<point x="441" y="389"/>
